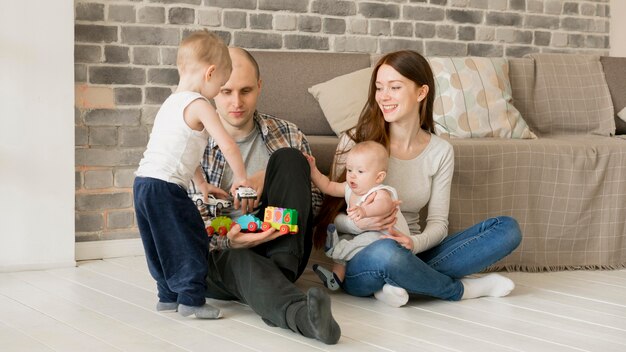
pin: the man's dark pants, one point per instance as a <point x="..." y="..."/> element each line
<point x="263" y="276"/>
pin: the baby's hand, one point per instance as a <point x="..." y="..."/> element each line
<point x="356" y="213"/>
<point x="310" y="159"/>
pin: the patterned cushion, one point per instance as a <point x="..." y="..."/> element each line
<point x="473" y="99"/>
<point x="571" y="96"/>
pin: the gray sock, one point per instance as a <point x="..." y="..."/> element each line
<point x="166" y="306"/>
<point x="329" y="279"/>
<point x="316" y="319"/>
<point x="205" y="311"/>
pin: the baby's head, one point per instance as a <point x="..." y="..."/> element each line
<point x="366" y="166"/>
<point x="203" y="56"/>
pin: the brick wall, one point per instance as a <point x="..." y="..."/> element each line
<point x="126" y="50"/>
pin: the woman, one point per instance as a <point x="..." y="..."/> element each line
<point x="399" y="115"/>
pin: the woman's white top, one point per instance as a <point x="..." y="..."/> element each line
<point x="425" y="179"/>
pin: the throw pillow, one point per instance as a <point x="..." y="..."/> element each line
<point x="473" y="99"/>
<point x="342" y="98"/>
<point x="615" y="75"/>
<point x="571" y="96"/>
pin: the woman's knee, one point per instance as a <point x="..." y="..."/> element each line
<point x="511" y="232"/>
<point x="385" y="252"/>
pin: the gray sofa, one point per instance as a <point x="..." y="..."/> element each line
<point x="567" y="190"/>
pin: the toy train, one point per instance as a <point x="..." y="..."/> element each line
<point x="282" y="219"/>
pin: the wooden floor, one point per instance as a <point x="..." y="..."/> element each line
<point x="108" y="305"/>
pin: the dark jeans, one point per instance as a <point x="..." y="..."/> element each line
<point x="263" y="276"/>
<point x="174" y="240"/>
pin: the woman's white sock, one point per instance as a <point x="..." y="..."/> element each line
<point x="492" y="285"/>
<point x="392" y="295"/>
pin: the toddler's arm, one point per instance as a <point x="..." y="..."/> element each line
<point x="211" y="122"/>
<point x="322" y="181"/>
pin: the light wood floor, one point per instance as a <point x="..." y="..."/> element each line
<point x="108" y="305"/>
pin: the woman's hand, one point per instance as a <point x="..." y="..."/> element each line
<point x="240" y="239"/>
<point x="377" y="223"/>
<point x="404" y="240"/>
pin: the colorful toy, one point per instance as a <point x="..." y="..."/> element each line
<point x="220" y="225"/>
<point x="283" y="219"/>
<point x="249" y="223"/>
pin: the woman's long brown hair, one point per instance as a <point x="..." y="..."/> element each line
<point x="372" y="125"/>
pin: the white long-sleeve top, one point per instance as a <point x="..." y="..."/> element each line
<point x="426" y="179"/>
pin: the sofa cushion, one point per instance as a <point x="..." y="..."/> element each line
<point x="474" y="99"/>
<point x="571" y="96"/>
<point x="342" y="98"/>
<point x="615" y="75"/>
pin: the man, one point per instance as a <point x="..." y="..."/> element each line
<point x="259" y="268"/>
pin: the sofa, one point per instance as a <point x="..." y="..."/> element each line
<point x="564" y="179"/>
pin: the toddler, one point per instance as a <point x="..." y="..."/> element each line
<point x="171" y="228"/>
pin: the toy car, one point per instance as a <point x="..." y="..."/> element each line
<point x="250" y="223"/>
<point x="220" y="225"/>
<point x="283" y="219"/>
<point x="198" y="198"/>
<point x="246" y="193"/>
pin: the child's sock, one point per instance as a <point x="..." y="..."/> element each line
<point x="392" y="295"/>
<point x="332" y="237"/>
<point x="316" y="319"/>
<point x="166" y="306"/>
<point x="205" y="311"/>
<point x="493" y="285"/>
<point x="329" y="279"/>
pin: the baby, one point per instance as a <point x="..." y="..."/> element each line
<point x="366" y="196"/>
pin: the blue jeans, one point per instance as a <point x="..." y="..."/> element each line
<point x="435" y="272"/>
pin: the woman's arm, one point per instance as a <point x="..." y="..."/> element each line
<point x="438" y="206"/>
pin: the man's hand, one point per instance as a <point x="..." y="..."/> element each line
<point x="240" y="239"/>
<point x="404" y="240"/>
<point x="256" y="181"/>
<point x="206" y="188"/>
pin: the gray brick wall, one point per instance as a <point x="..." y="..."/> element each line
<point x="125" y="54"/>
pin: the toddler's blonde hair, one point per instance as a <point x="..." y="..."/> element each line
<point x="204" y="48"/>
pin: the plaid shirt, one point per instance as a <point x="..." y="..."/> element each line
<point x="276" y="134"/>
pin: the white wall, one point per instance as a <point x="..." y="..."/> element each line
<point x="36" y="134"/>
<point x="618" y="28"/>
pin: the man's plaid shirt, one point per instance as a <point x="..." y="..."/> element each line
<point x="276" y="134"/>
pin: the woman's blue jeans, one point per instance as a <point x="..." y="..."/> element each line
<point x="435" y="272"/>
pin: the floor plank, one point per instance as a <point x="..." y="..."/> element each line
<point x="108" y="305"/>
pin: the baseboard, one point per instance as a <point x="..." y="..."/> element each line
<point x="108" y="249"/>
<point x="36" y="266"/>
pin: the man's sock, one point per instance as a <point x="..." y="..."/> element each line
<point x="166" y="306"/>
<point x="315" y="319"/>
<point x="205" y="311"/>
<point x="329" y="279"/>
<point x="392" y="295"/>
<point x="332" y="237"/>
<point x="492" y="285"/>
